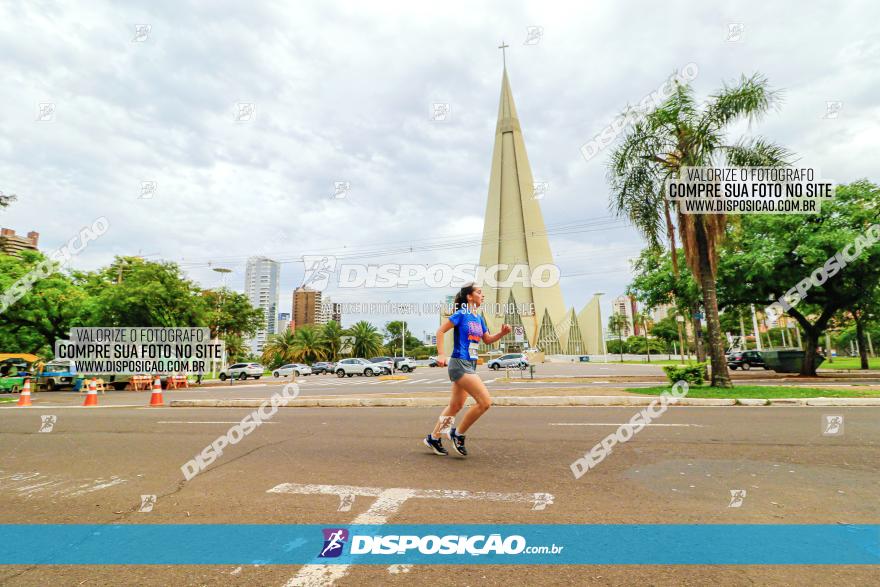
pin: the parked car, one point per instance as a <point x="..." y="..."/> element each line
<point x="242" y="371"/>
<point x="509" y="360"/>
<point x="432" y="362"/>
<point x="295" y="369"/>
<point x="405" y="364"/>
<point x="746" y="360"/>
<point x="385" y="362"/>
<point x="349" y="367"/>
<point x="322" y="367"/>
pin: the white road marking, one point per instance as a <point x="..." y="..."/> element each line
<point x="623" y="424"/>
<point x="56" y="407"/>
<point x="227" y="386"/>
<point x="396" y="569"/>
<point x="417" y="381"/>
<point x="28" y="484"/>
<point x="189" y="422"/>
<point x="387" y="503"/>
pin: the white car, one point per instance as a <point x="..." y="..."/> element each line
<point x="295" y="369"/>
<point x="363" y="367"/>
<point x="509" y="360"/>
<point x="405" y="364"/>
<point x="242" y="371"/>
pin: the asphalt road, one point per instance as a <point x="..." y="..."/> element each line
<point x="94" y="466"/>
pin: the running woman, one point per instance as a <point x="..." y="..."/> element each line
<point x="470" y="329"/>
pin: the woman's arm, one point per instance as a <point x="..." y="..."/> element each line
<point x="493" y="338"/>
<point x="444" y="328"/>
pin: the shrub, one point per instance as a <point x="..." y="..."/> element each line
<point x="694" y="374"/>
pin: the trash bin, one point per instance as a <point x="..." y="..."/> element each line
<point x="78" y="382"/>
<point x="787" y="360"/>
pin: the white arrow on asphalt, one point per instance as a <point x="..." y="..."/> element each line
<point x="387" y="502"/>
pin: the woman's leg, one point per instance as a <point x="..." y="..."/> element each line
<point x="473" y="386"/>
<point x="456" y="403"/>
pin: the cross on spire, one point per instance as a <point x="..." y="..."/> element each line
<point x="503" y="46"/>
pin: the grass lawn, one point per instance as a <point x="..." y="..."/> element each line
<point x="849" y="363"/>
<point x="761" y="391"/>
<point x="8" y="399"/>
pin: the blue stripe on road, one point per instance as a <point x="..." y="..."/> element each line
<point x="713" y="544"/>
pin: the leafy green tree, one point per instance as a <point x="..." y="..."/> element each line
<point x="229" y="312"/>
<point x="45" y="312"/>
<point x="394" y="335"/>
<point x="140" y="293"/>
<point x="367" y="339"/>
<point x="666" y="330"/>
<point x="680" y="133"/>
<point x="308" y="346"/>
<point x="766" y="256"/>
<point x="637" y="346"/>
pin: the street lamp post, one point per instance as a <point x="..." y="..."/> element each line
<point x="679" y="320"/>
<point x="223" y="271"/>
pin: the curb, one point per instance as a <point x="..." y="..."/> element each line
<point x="546" y="401"/>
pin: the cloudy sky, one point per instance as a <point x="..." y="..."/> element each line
<point x="343" y="92"/>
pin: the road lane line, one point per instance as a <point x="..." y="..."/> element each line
<point x="623" y="424"/>
<point x="188" y="422"/>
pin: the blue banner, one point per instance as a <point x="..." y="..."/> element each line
<point x="509" y="544"/>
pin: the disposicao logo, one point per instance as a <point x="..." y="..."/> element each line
<point x="334" y="540"/>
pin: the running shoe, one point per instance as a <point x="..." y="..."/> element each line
<point x="457" y="442"/>
<point x="436" y="445"/>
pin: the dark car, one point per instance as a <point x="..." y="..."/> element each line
<point x="322" y="367"/>
<point x="745" y="360"/>
<point x="386" y="363"/>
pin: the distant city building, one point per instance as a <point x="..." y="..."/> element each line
<point x="662" y="312"/>
<point x="13" y="244"/>
<point x="261" y="281"/>
<point x="283" y="322"/>
<point x="626" y="306"/>
<point x="307" y="307"/>
<point x="336" y="313"/>
<point x="430" y="338"/>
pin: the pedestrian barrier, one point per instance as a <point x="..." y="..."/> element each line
<point x="156" y="397"/>
<point x="92" y="394"/>
<point x="140" y="382"/>
<point x="177" y="382"/>
<point x="25" y="398"/>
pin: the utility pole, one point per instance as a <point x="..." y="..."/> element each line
<point x="755" y="327"/>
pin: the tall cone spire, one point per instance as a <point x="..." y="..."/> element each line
<point x="513" y="231"/>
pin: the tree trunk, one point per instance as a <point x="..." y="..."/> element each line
<point x="860" y="337"/>
<point x="720" y="375"/>
<point x="810" y="351"/>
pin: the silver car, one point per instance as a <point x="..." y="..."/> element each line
<point x="509" y="360"/>
<point x="295" y="369"/>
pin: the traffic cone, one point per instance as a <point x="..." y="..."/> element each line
<point x="25" y="398"/>
<point x="156" y="398"/>
<point x="92" y="394"/>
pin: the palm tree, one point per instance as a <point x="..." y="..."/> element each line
<point x="677" y="134"/>
<point x="279" y="349"/>
<point x="367" y="339"/>
<point x="331" y="340"/>
<point x="235" y="348"/>
<point x="308" y="346"/>
<point x="642" y="319"/>
<point x="616" y="325"/>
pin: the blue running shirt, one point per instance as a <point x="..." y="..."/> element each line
<point x="469" y="329"/>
